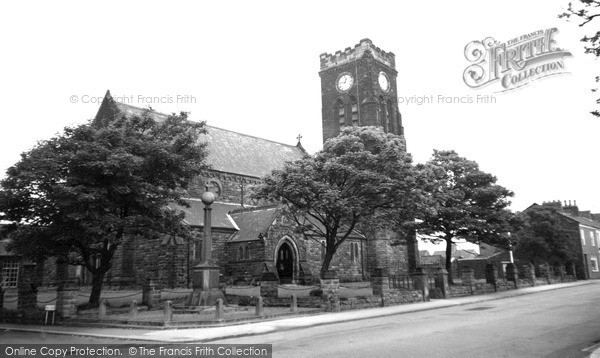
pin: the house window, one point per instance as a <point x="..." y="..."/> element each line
<point x="593" y="237"/>
<point x="594" y="264"/>
<point x="10" y="274"/>
<point x="241" y="253"/>
<point x="246" y="252"/>
<point x="356" y="250"/>
<point x="322" y="250"/>
<point x="582" y="237"/>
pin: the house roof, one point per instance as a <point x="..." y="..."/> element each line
<point x="457" y="253"/>
<point x="194" y="215"/>
<point x="431" y="260"/>
<point x="582" y="220"/>
<point x="487" y="251"/>
<point x="228" y="151"/>
<point x="252" y="222"/>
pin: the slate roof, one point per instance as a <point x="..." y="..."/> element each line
<point x="229" y="151"/>
<point x="582" y="220"/>
<point x="252" y="222"/>
<point x="194" y="215"/>
<point x="456" y="254"/>
<point x="431" y="260"/>
<point x="487" y="251"/>
<point x="238" y="153"/>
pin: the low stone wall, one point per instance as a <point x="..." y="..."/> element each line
<point x="392" y="298"/>
<point x="480" y="288"/>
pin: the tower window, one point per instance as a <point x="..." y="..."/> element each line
<point x="354" y="112"/>
<point x="341" y="113"/>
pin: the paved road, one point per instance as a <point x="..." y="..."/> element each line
<point x="556" y="323"/>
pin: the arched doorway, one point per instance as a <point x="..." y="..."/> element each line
<point x="285" y="263"/>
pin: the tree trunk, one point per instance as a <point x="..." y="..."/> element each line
<point x="326" y="262"/>
<point x="449" y="260"/>
<point x="97" y="279"/>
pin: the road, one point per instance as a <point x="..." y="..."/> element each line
<point x="558" y="323"/>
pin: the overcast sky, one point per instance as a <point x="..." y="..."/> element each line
<point x="252" y="67"/>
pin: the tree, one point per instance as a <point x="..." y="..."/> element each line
<point x="587" y="11"/>
<point x="468" y="204"/>
<point x="545" y="237"/>
<point x="79" y="195"/>
<point x="362" y="178"/>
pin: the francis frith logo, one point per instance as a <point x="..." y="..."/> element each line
<point x="514" y="63"/>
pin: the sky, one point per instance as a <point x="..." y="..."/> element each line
<point x="252" y="67"/>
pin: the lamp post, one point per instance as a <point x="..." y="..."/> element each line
<point x="510" y="247"/>
<point x="206" y="274"/>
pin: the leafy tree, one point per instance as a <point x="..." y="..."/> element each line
<point x="545" y="237"/>
<point x="79" y="195"/>
<point x="363" y="177"/>
<point x="468" y="204"/>
<point x="587" y="11"/>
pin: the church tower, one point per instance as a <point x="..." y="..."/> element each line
<point x="358" y="88"/>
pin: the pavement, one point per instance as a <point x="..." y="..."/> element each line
<point x="210" y="334"/>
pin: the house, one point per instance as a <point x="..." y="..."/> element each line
<point x="583" y="233"/>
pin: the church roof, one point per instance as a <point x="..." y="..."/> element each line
<point x="194" y="215"/>
<point x="238" y="153"/>
<point x="252" y="223"/>
<point x="229" y="151"/>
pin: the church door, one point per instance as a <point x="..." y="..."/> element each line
<point x="285" y="263"/>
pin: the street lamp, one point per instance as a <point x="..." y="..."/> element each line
<point x="206" y="274"/>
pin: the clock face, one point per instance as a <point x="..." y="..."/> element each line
<point x="345" y="82"/>
<point x="384" y="82"/>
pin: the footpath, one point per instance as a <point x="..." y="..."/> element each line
<point x="210" y="334"/>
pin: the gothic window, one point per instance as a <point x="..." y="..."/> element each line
<point x="354" y="109"/>
<point x="341" y="113"/>
<point x="385" y="118"/>
<point x="390" y="111"/>
<point x="241" y="253"/>
<point x="322" y="250"/>
<point x="246" y="252"/>
<point x="354" y="252"/>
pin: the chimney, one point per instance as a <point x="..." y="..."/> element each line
<point x="554" y="204"/>
<point x="571" y="209"/>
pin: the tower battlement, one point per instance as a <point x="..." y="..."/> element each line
<point x="352" y="54"/>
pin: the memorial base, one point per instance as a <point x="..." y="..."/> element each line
<point x="206" y="286"/>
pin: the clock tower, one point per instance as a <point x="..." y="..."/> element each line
<point x="358" y="88"/>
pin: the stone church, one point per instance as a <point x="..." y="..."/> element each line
<point x="358" y="88"/>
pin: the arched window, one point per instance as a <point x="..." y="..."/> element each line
<point x="354" y="252"/>
<point x="341" y="112"/>
<point x="354" y="109"/>
<point x="246" y="252"/>
<point x="323" y="250"/>
<point x="391" y="116"/>
<point x="385" y="118"/>
<point x="241" y="253"/>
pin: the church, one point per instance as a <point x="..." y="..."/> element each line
<point x="358" y="88"/>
